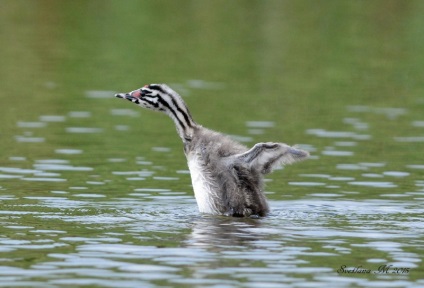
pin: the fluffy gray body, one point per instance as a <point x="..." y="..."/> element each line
<point x="223" y="183"/>
<point x="227" y="177"/>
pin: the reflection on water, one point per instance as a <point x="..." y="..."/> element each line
<point x="211" y="232"/>
<point x="97" y="193"/>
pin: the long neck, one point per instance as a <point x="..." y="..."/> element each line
<point x="178" y="111"/>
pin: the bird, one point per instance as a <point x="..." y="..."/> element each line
<point x="227" y="177"/>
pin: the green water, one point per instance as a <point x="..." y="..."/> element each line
<point x="95" y="192"/>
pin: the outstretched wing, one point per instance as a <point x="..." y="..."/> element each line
<point x="267" y="156"/>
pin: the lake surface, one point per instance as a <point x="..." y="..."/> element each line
<point x="95" y="192"/>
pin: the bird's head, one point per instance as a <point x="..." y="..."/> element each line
<point x="152" y="96"/>
<point x="160" y="97"/>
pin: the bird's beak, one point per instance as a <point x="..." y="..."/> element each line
<point x="129" y="96"/>
<point x="122" y="95"/>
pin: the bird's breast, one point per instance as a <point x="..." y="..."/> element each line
<point x="204" y="185"/>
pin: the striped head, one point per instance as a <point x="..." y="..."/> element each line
<point x="153" y="96"/>
<point x="160" y="97"/>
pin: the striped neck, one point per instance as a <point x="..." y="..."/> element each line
<point x="181" y="116"/>
<point x="173" y="105"/>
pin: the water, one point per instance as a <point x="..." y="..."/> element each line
<point x="95" y="192"/>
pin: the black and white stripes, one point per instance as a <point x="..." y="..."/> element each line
<point x="160" y="97"/>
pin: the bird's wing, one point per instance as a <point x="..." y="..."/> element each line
<point x="268" y="156"/>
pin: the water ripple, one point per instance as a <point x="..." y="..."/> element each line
<point x="374" y="184"/>
<point x="61" y="167"/>
<point x="84" y="130"/>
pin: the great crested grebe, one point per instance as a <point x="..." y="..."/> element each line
<point x="227" y="177"/>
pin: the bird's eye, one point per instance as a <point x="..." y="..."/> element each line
<point x="144" y="92"/>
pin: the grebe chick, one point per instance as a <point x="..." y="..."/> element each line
<point x="227" y="177"/>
